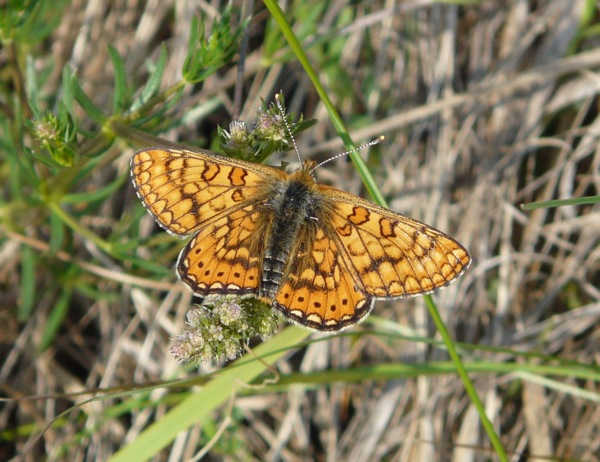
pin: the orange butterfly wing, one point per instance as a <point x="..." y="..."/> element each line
<point x="361" y="252"/>
<point x="215" y="197"/>
<point x="318" y="290"/>
<point x="391" y="255"/>
<point x="185" y="190"/>
<point x="225" y="256"/>
<point x="351" y="253"/>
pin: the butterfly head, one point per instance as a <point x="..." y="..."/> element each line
<point x="305" y="174"/>
<point x="309" y="166"/>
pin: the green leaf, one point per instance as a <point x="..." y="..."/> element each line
<point x="120" y="97"/>
<point x="33" y="91"/>
<point x="94" y="196"/>
<point x="55" y="319"/>
<point x="87" y="105"/>
<point x="57" y="232"/>
<point x="153" y="84"/>
<point x="189" y="64"/>
<point x="67" y="96"/>
<point x="561" y="203"/>
<point x="28" y="292"/>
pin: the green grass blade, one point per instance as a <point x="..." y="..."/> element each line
<point x="298" y="50"/>
<point x="213" y="395"/>
<point x="55" y="319"/>
<point x="561" y="203"/>
<point x="462" y="372"/>
<point x="27" y="298"/>
<point x="296" y="47"/>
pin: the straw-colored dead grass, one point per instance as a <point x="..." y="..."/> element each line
<point x="483" y="107"/>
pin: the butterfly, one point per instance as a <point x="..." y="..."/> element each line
<point x="319" y="255"/>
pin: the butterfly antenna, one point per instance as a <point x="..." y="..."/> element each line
<point x="345" y="153"/>
<point x="287" y="127"/>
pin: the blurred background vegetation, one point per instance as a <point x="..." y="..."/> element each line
<point x="485" y="106"/>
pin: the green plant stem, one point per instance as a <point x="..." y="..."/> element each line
<point x="79" y="229"/>
<point x="462" y="372"/>
<point x="298" y="50"/>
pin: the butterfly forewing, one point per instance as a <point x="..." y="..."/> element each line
<point x="186" y="189"/>
<point x="393" y="255"/>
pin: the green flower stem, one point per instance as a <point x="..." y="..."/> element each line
<point x="139" y="137"/>
<point x="462" y="373"/>
<point x="298" y="50"/>
<point x="296" y="47"/>
<point x="79" y="229"/>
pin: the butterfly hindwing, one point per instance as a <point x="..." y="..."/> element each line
<point x="318" y="290"/>
<point x="224" y="257"/>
